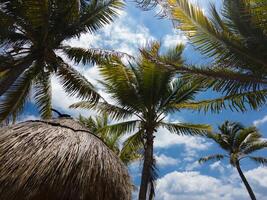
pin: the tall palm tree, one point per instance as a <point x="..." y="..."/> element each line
<point x="32" y="42"/>
<point x="239" y="142"/>
<point x="235" y="39"/>
<point x="144" y="94"/>
<point x="99" y="126"/>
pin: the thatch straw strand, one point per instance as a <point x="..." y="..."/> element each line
<point x="59" y="160"/>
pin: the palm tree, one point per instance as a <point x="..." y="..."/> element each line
<point x="144" y="94"/>
<point x="33" y="40"/>
<point x="235" y="39"/>
<point x="98" y="126"/>
<point x="239" y="142"/>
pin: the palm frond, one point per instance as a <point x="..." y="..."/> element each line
<point x="247" y="136"/>
<point x="43" y="95"/>
<point x="181" y="92"/>
<point x="13" y="101"/>
<point x="186" y="128"/>
<point x="216" y="157"/>
<point x="223" y="79"/>
<point x="221" y="140"/>
<point x="113" y="111"/>
<point x="132" y="147"/>
<point x="89" y="123"/>
<point x="147" y="4"/>
<point x="13" y="73"/>
<point x="91" y="56"/>
<point x="260" y="160"/>
<point x="122" y="128"/>
<point x="75" y="83"/>
<point x="95" y="15"/>
<point x="254" y="146"/>
<point x="212" y="37"/>
<point x="119" y="82"/>
<point x="235" y="102"/>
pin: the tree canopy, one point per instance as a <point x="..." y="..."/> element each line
<point x="32" y="43"/>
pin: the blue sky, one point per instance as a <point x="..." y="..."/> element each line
<point x="180" y="177"/>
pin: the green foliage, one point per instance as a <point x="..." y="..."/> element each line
<point x="111" y="135"/>
<point x="146" y="92"/>
<point x="239" y="142"/>
<point x="239" y="92"/>
<point x="31" y="34"/>
<point x="211" y="157"/>
<point x="234" y="39"/>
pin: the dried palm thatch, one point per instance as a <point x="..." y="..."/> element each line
<point x="59" y="160"/>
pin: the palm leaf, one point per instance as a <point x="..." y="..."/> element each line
<point x="186" y="128"/>
<point x="122" y="127"/>
<point x="236" y="102"/>
<point x="211" y="39"/>
<point x="75" y="83"/>
<point x="95" y="15"/>
<point x="254" y="146"/>
<point x="113" y="111"/>
<point x="43" y="95"/>
<point x="211" y="158"/>
<point x="12" y="75"/>
<point x="247" y="136"/>
<point x="13" y="101"/>
<point x="132" y="147"/>
<point x="260" y="160"/>
<point x="91" y="56"/>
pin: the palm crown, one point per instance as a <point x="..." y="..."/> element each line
<point x="239" y="142"/>
<point x="32" y="35"/>
<point x="147" y="93"/>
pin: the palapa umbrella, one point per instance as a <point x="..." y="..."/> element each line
<point x="59" y="160"/>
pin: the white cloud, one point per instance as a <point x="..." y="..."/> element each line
<point x="258" y="176"/>
<point x="217" y="166"/>
<point x="163" y="160"/>
<point x="259" y="122"/>
<point x="171" y="40"/>
<point x="196" y="186"/>
<point x="125" y="35"/>
<point x="165" y="139"/>
<point x="192" y="166"/>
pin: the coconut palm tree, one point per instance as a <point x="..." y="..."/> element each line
<point x="235" y="39"/>
<point x="59" y="159"/>
<point x="99" y="126"/>
<point x="144" y="94"/>
<point x="239" y="143"/>
<point x="33" y="39"/>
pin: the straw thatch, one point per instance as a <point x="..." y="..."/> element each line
<point x="58" y="160"/>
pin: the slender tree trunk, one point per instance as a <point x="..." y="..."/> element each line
<point x="251" y="194"/>
<point x="148" y="161"/>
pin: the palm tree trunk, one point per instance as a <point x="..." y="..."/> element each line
<point x="148" y="162"/>
<point x="251" y="194"/>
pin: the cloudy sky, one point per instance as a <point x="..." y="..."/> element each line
<point x="180" y="176"/>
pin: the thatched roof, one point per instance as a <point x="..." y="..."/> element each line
<point x="58" y="160"/>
